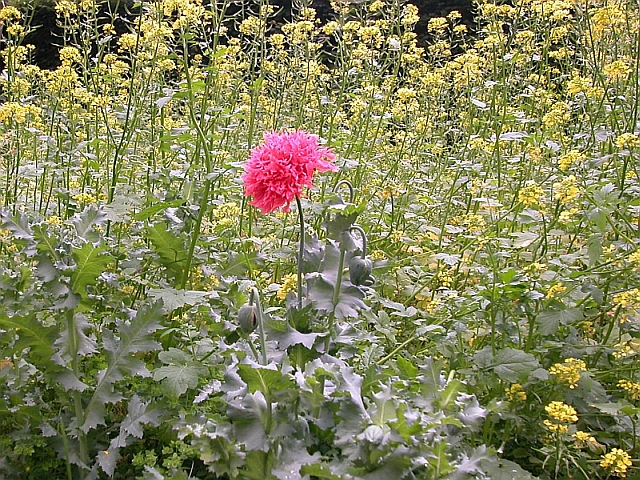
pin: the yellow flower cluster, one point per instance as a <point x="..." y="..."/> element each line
<point x="581" y="85"/>
<point x="628" y="299"/>
<point x="568" y="371"/>
<point x="617" y="462"/>
<point x="634" y="259"/>
<point x="561" y="416"/>
<point x="18" y="113"/>
<point x="289" y="284"/>
<point x="607" y="20"/>
<point x="516" y="393"/>
<point x="628" y="140"/>
<point x="626" y="349"/>
<point x="559" y="115"/>
<point x="226" y="214"/>
<point x="555" y="291"/>
<point x="632" y="388"/>
<point x="9" y="14"/>
<point x="617" y="69"/>
<point x="531" y="194"/>
<point x="570" y="158"/>
<point x="566" y="191"/>
<point x="584" y="438"/>
<point x="437" y="25"/>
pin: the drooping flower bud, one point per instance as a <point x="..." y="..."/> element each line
<point x="248" y="318"/>
<point x="360" y="270"/>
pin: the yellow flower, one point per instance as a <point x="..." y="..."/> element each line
<point x="616" y="69"/>
<point x="562" y="412"/>
<point x="516" y="393"/>
<point x="629" y="140"/>
<point x="569" y="371"/>
<point x="531" y="194"/>
<point x="559" y="114"/>
<point x="10" y="13"/>
<point x="570" y="158"/>
<point x="617" y="461"/>
<point x="289" y="284"/>
<point x="566" y="190"/>
<point x="66" y="8"/>
<point x="632" y="388"/>
<point x="437" y="25"/>
<point x="584" y="438"/>
<point x="555" y="291"/>
<point x="628" y="299"/>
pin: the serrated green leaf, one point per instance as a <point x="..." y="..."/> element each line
<point x="174" y="299"/>
<point x="170" y="249"/>
<point x="83" y="344"/>
<point x="179" y="378"/>
<point x="501" y="469"/>
<point x="320" y="471"/>
<point x="91" y="262"/>
<point x="86" y="221"/>
<point x="149" y="212"/>
<point x="514" y="365"/>
<point x="135" y="337"/>
<point x="550" y="320"/>
<point x="263" y="380"/>
<point x="31" y="334"/>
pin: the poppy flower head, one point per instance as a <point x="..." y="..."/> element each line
<point x="281" y="166"/>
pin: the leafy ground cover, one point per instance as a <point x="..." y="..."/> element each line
<point x="461" y="301"/>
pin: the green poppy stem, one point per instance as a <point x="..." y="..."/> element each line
<point x="300" y="252"/>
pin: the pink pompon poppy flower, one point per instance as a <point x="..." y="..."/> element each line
<point x="281" y="166"/>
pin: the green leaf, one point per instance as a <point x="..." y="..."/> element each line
<point x="320" y="471"/>
<point x="86" y="222"/>
<point x="149" y="212"/>
<point x="180" y="373"/>
<point x="263" y="380"/>
<point x="170" y="249"/>
<point x="174" y="299"/>
<point x="514" y="365"/>
<point x="91" y="262"/>
<point x="31" y="334"/>
<point x="82" y="346"/>
<point x="509" y="364"/>
<point x="135" y="337"/>
<point x="501" y="469"/>
<point x="550" y="320"/>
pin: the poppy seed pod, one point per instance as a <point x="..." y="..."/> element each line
<point x="360" y="270"/>
<point x="248" y="318"/>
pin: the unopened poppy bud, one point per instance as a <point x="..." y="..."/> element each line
<point x="360" y="270"/>
<point x="248" y="318"/>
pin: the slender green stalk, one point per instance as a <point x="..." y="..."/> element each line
<point x="300" y="251"/>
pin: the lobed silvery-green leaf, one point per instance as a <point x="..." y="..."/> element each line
<point x="173" y="299"/>
<point x="248" y="415"/>
<point x="138" y="415"/>
<point x="509" y="364"/>
<point x="135" y="336"/>
<point x="267" y="380"/>
<point x="20" y="229"/>
<point x="69" y="381"/>
<point x="170" y="248"/>
<point x="83" y="344"/>
<point x="86" y="222"/>
<point x="91" y="262"/>
<point x="179" y="378"/>
<point x="551" y="319"/>
<point x="502" y="469"/>
<point x="32" y="335"/>
<point x="287" y="336"/>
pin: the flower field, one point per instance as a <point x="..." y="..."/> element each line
<point x="233" y="249"/>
